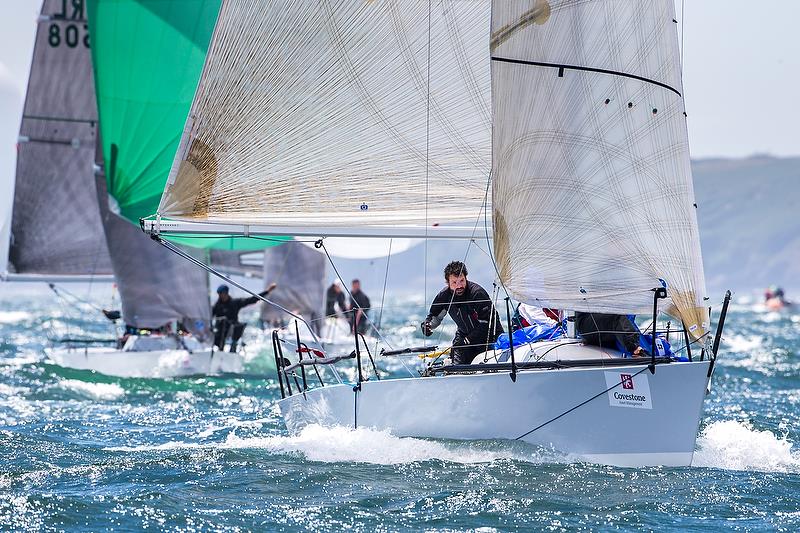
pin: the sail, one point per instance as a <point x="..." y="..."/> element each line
<point x="592" y="188"/>
<point x="364" y="248"/>
<point x="147" y="56"/>
<point x="155" y="285"/>
<point x="248" y="264"/>
<point x="56" y="228"/>
<point x="299" y="272"/>
<point x="339" y="118"/>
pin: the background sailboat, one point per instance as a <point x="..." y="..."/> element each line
<point x="62" y="227"/>
<point x="56" y="232"/>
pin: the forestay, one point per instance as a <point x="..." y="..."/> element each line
<point x="592" y="190"/>
<point x="356" y="117"/>
<point x="56" y="227"/>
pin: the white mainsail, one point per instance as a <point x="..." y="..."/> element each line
<point x="339" y="118"/>
<point x="592" y="189"/>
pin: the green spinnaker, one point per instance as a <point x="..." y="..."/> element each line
<point x="147" y="57"/>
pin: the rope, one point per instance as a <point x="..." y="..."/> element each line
<point x="171" y="247"/>
<point x="383" y="293"/>
<point x="540" y="426"/>
<point x="369" y="321"/>
<point x="427" y="156"/>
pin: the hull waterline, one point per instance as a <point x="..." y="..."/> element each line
<point x="621" y="415"/>
<point x="147" y="364"/>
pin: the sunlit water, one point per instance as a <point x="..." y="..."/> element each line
<point x="82" y="451"/>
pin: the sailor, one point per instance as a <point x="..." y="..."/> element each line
<point x="334" y="297"/>
<point x="468" y="304"/>
<point x="226" y="315"/>
<point x="609" y="331"/>
<point x="359" y="306"/>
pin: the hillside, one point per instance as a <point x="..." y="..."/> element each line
<point x="749" y="228"/>
<point x="750" y="233"/>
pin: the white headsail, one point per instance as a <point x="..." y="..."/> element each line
<point x="352" y="117"/>
<point x="592" y="188"/>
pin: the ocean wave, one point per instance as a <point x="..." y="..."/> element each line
<point x="96" y="391"/>
<point x="365" y="445"/>
<point x="14" y="317"/>
<point x="733" y="445"/>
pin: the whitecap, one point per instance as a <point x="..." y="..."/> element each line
<point x="743" y="344"/>
<point x="732" y="445"/>
<point x="13" y="317"/>
<point x="97" y="391"/>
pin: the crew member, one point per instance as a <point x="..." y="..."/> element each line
<point x="468" y="304"/>
<point x="334" y="297"/>
<point x="226" y="316"/>
<point x="359" y="306"/>
<point x="609" y="331"/>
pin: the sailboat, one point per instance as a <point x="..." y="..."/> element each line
<point x="64" y="228"/>
<point x="563" y="120"/>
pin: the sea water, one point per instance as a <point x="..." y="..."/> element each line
<point x="83" y="451"/>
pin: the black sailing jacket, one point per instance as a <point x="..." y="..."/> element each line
<point x="469" y="311"/>
<point x="231" y="308"/>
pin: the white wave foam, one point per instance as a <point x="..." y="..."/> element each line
<point x="733" y="445"/>
<point x="13" y="317"/>
<point x="363" y="445"/>
<point x="97" y="391"/>
<point x="743" y="344"/>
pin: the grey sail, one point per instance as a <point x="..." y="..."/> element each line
<point x="155" y="285"/>
<point x="56" y="228"/>
<point x="248" y="264"/>
<point x="299" y="272"/>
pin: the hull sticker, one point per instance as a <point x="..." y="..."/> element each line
<point x="631" y="391"/>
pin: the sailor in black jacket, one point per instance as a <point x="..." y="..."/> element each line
<point x="470" y="307"/>
<point x="226" y="316"/>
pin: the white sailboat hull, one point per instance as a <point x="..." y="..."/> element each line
<point x="653" y="423"/>
<point x="147" y="364"/>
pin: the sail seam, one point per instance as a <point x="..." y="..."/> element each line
<point x="561" y="67"/>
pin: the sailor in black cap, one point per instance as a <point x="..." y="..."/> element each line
<point x="226" y="316"/>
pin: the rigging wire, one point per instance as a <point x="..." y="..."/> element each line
<point x="683" y="18"/>
<point x="371" y="324"/>
<point x="383" y="294"/>
<point x="470" y="243"/>
<point x="427" y="158"/>
<point x="174" y="249"/>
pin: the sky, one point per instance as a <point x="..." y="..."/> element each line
<point x="741" y="76"/>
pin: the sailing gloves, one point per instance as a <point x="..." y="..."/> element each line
<point x="427" y="327"/>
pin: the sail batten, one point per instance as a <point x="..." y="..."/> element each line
<point x="592" y="191"/>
